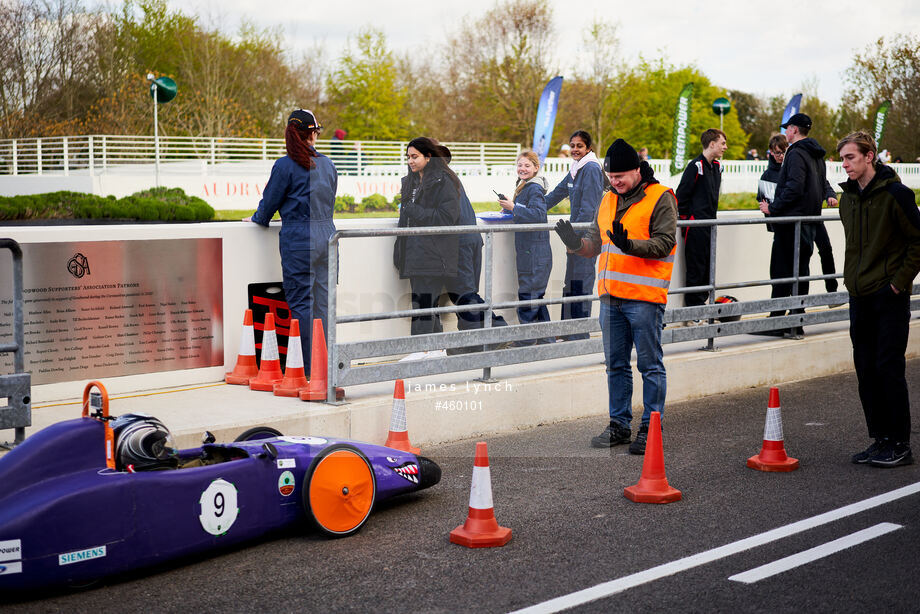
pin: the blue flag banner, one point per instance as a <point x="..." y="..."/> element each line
<point x="795" y="103"/>
<point x="546" y="117"/>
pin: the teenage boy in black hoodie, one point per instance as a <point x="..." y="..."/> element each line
<point x="698" y="199"/>
<point x="800" y="190"/>
<point x="882" y="229"/>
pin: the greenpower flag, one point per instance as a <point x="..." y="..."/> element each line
<point x="681" y="129"/>
<point x="881" y="115"/>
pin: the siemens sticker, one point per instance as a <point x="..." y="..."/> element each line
<point x="81" y="555"/>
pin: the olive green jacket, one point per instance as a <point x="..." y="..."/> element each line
<point x="882" y="229"/>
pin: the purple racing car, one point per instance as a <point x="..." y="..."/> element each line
<point x="87" y="498"/>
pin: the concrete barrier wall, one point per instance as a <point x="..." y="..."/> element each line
<point x="368" y="281"/>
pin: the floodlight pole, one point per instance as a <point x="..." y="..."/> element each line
<point x="156" y="131"/>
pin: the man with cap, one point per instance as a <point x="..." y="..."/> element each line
<point x="801" y="188"/>
<point x="635" y="231"/>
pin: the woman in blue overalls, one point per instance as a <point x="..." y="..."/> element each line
<point x="532" y="249"/>
<point x="584" y="186"/>
<point x="302" y="189"/>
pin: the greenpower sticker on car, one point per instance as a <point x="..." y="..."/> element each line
<point x="81" y="555"/>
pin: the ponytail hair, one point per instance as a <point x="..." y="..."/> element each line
<point x="297" y="148"/>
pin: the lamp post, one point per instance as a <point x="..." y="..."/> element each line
<point x="162" y="90"/>
<point x="721" y="106"/>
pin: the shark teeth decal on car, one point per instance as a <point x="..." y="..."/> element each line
<point x="408" y="471"/>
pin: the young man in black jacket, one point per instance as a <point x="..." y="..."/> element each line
<point x="698" y="199"/>
<point x="882" y="228"/>
<point x="800" y="190"/>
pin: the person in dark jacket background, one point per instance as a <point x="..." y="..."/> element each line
<point x="302" y="188"/>
<point x="698" y="199"/>
<point x="584" y="186"/>
<point x="430" y="196"/>
<point x="882" y="229"/>
<point x="532" y="250"/>
<point x="800" y="190"/>
<point x="766" y="187"/>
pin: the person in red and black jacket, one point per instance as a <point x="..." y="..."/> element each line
<point x="698" y="199"/>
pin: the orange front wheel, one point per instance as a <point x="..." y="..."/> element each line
<point x="339" y="491"/>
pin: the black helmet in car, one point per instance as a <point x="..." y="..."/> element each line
<point x="143" y="443"/>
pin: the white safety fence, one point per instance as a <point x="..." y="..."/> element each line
<point x="231" y="173"/>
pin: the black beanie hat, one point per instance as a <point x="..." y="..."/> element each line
<point x="621" y="157"/>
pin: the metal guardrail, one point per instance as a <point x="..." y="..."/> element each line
<point x="100" y="152"/>
<point x="345" y="359"/>
<point x="16" y="387"/>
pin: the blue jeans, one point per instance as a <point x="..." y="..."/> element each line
<point x="623" y="324"/>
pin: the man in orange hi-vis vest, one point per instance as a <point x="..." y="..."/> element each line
<point x="635" y="234"/>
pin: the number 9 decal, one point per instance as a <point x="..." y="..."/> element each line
<point x="218" y="507"/>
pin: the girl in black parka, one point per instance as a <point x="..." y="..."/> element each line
<point x="430" y="197"/>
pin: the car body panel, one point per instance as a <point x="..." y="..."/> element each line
<point x="65" y="518"/>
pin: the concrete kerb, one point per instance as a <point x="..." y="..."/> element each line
<point x="457" y="406"/>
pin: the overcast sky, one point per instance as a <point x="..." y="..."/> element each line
<point x="764" y="47"/>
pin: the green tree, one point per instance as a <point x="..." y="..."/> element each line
<point x="496" y="68"/>
<point x="889" y="69"/>
<point x="363" y="88"/>
<point x="649" y="120"/>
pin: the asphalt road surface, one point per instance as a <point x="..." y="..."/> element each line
<point x="578" y="542"/>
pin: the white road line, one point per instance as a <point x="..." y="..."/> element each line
<point x="613" y="587"/>
<point x="813" y="554"/>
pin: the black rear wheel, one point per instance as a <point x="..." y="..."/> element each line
<point x="258" y="432"/>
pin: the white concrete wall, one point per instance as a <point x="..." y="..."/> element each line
<point x="367" y="280"/>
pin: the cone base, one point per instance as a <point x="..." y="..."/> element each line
<point x="238" y="380"/>
<point x="789" y="464"/>
<point x="309" y="395"/>
<point x="402" y="444"/>
<point x="264" y="385"/>
<point x="471" y="539"/>
<point x="290" y="389"/>
<point x="643" y="494"/>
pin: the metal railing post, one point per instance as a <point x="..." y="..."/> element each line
<point x="264" y="150"/>
<point x="331" y="353"/>
<point x="797" y="242"/>
<point x="90" y="153"/>
<point x="713" y="238"/>
<point x="38" y="155"/>
<point x="105" y="153"/>
<point x="66" y="156"/>
<point x="213" y="153"/>
<point x="487" y="314"/>
<point x="15" y="159"/>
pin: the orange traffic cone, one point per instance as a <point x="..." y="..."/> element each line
<point x="319" y="360"/>
<point x="270" y="369"/>
<point x="772" y="455"/>
<point x="398" y="436"/>
<point x="294" y="379"/>
<point x="246" y="367"/>
<point x="653" y="484"/>
<point x="481" y="530"/>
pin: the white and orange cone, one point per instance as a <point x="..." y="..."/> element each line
<point x="246" y="367"/>
<point x="270" y="368"/>
<point x="772" y="455"/>
<point x="295" y="379"/>
<point x="481" y="529"/>
<point x="398" y="437"/>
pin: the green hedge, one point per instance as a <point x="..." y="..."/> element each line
<point x="157" y="204"/>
